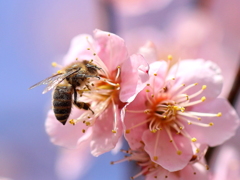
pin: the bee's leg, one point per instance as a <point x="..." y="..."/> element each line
<point x="83" y="105"/>
<point x="87" y="86"/>
<point x="93" y="66"/>
<point x="86" y="76"/>
<point x="80" y="105"/>
<point x="74" y="95"/>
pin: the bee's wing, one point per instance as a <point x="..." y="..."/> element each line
<point x="57" y="79"/>
<point x="54" y="80"/>
<point x="47" y="80"/>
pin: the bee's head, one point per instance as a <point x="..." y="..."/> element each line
<point x="92" y="68"/>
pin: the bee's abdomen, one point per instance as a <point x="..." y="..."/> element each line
<point x="62" y="102"/>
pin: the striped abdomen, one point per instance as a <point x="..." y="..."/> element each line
<point x="62" y="102"/>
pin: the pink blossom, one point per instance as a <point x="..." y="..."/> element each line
<point x="226" y="164"/>
<point x="122" y="77"/>
<point x="72" y="164"/>
<point x="195" y="169"/>
<point x="137" y="7"/>
<point x="177" y="109"/>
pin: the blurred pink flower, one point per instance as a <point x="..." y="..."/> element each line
<point x="195" y="169"/>
<point x="178" y="108"/>
<point x="137" y="7"/>
<point x="226" y="164"/>
<point x="107" y="95"/>
<point x="191" y="35"/>
<point x="72" y="164"/>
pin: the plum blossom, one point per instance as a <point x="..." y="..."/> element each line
<point x="226" y="165"/>
<point x="137" y="7"/>
<point x="195" y="169"/>
<point x="177" y="109"/>
<point x="121" y="78"/>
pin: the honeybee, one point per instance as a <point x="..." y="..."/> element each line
<point x="65" y="84"/>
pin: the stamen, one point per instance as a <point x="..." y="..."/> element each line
<point x="194" y="102"/>
<point x="118" y="73"/>
<point x="171" y="138"/>
<point x="205" y="114"/>
<point x="155" y="146"/>
<point x="115" y="107"/>
<point x="197" y="93"/>
<point x="196" y="123"/>
<point x="188" y="87"/>
<point x="139" y="124"/>
<point x="99" y="62"/>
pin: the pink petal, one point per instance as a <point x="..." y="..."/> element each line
<point x="103" y="139"/>
<point x="224" y="127"/>
<point x="188" y="172"/>
<point x="112" y="50"/>
<point x="227" y="164"/>
<point x="65" y="135"/>
<point x="201" y="72"/>
<point x="78" y="49"/>
<point x="165" y="151"/>
<point x="73" y="164"/>
<point x="149" y="52"/>
<point x="132" y="119"/>
<point x="134" y="75"/>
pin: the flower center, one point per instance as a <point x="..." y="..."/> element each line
<point x="168" y="109"/>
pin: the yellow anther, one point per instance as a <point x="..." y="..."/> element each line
<point x="154" y="131"/>
<point x="203" y="98"/>
<point x="187" y="97"/>
<point x="166" y="176"/>
<point x="164" y="117"/>
<point x="114" y="131"/>
<point x="117" y="84"/>
<point x="127" y="131"/>
<point x="118" y="67"/>
<point x="83" y="130"/>
<point x="72" y="121"/>
<point x="147" y="90"/>
<point x="173" y="78"/>
<point x="155" y="74"/>
<point x="219" y="114"/>
<point x="204" y="87"/>
<point x="148" y="84"/>
<point x="194" y="139"/>
<point x="199" y="119"/>
<point x="155" y="158"/>
<point x="195" y="84"/>
<point x="189" y="122"/>
<point x="87" y="123"/>
<point x="183" y="84"/>
<point x="179" y="152"/>
<point x="197" y="150"/>
<point x="76" y="59"/>
<point x="109" y="34"/>
<point x="211" y="124"/>
<point x="182" y="109"/>
<point x="59" y="72"/>
<point x="170" y="57"/>
<point x="88" y="48"/>
<point x="171" y="140"/>
<point x="194" y="173"/>
<point x="155" y="177"/>
<point x="181" y="128"/>
<point x="54" y="64"/>
<point x="146" y="111"/>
